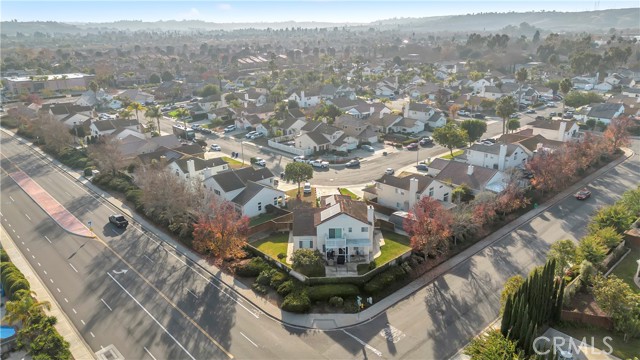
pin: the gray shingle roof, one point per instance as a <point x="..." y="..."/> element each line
<point x="456" y="173"/>
<point x="250" y="191"/>
<point x="404" y="182"/>
<point x="232" y="179"/>
<point x="604" y="111"/>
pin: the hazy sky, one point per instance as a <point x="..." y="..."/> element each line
<point x="274" y="11"/>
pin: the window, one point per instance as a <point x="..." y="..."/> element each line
<point x="335" y="233"/>
<point x="349" y="229"/>
<point x="301" y="244"/>
<point x="430" y="192"/>
<point x="364" y="229"/>
<point x="445" y="198"/>
<point x="259" y="206"/>
<point x="217" y="192"/>
<point x="275" y="201"/>
<point x="311" y="244"/>
<point x="398" y="205"/>
<point x="397" y="190"/>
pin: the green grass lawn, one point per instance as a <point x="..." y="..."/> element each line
<point x="233" y="163"/>
<point x="345" y="191"/>
<point x="628" y="267"/>
<point x="620" y="349"/>
<point x="273" y="245"/>
<point x="173" y="113"/>
<point x="262" y="218"/>
<point x="455" y="154"/>
<point x="394" y="246"/>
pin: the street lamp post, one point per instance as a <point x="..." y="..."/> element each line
<point x="75" y="127"/>
<point x="242" y="150"/>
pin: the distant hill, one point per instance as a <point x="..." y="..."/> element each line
<point x="589" y="21"/>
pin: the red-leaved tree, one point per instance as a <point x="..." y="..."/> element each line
<point x="429" y="226"/>
<point x="553" y="171"/>
<point x="617" y="133"/>
<point x="221" y="231"/>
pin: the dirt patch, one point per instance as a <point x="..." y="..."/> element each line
<point x="584" y="303"/>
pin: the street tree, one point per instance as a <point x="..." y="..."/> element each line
<point x="154" y="112"/>
<point x="565" y="86"/>
<point x="521" y="75"/>
<point x="155" y="79"/>
<point x="298" y="172"/>
<point x="19" y="310"/>
<point x="93" y="86"/>
<point x="564" y="252"/>
<point x="183" y="114"/>
<point x="617" y="132"/>
<point x="504" y="108"/>
<point x="513" y="125"/>
<point x="220" y="232"/>
<point x="125" y="113"/>
<point x="616" y="216"/>
<point x="55" y="134"/>
<point x="450" y="136"/>
<point x="616" y="298"/>
<point x="453" y="111"/>
<point x="107" y="155"/>
<point x="208" y="90"/>
<point x="592" y="249"/>
<point x="474" y="128"/>
<point x="136" y="107"/>
<point x="429" y="226"/>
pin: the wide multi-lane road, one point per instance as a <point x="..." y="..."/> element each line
<point x="131" y="290"/>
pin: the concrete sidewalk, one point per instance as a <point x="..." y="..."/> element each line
<point x="335" y="321"/>
<point x="79" y="349"/>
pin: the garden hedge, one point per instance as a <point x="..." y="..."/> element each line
<point x="383" y="280"/>
<point x="297" y="302"/>
<point x="252" y="268"/>
<point x="325" y="292"/>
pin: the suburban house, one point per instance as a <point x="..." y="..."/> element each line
<point x="308" y="98"/>
<point x="361" y="130"/>
<point x="605" y="112"/>
<point x="189" y="167"/>
<point x="132" y="146"/>
<point x="477" y="178"/>
<point x="631" y="92"/>
<point x="364" y="110"/>
<point x="136" y="95"/>
<point x="383" y="123"/>
<point x="402" y="193"/>
<point x="250" y="189"/>
<point x="533" y="143"/>
<point x="108" y="127"/>
<point x="491" y="92"/>
<point x="560" y="130"/>
<point x="585" y="82"/>
<point x="479" y="85"/>
<point x="321" y="137"/>
<point x="64" y="111"/>
<point x="498" y="156"/>
<point x="342" y="229"/>
<point x="256" y="96"/>
<point x="408" y="125"/>
<point x="424" y="114"/>
<point x="248" y="120"/>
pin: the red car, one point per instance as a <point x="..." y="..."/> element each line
<point x="583" y="194"/>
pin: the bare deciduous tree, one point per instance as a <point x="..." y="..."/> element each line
<point x="54" y="133"/>
<point x="107" y="155"/>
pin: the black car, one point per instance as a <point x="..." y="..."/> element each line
<point x="425" y="141"/>
<point x="478" y="116"/>
<point x="353" y="163"/>
<point x="422" y="167"/>
<point x="119" y="221"/>
<point x="493" y="141"/>
<point x="540" y="118"/>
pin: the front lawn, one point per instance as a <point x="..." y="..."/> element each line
<point x="455" y="154"/>
<point x="345" y="191"/>
<point x="628" y="267"/>
<point x="594" y="336"/>
<point x="306" y="200"/>
<point x="233" y="163"/>
<point x="262" y="218"/>
<point x="274" y="245"/>
<point x="394" y="246"/>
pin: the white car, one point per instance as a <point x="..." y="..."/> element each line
<point x="250" y="134"/>
<point x="256" y="135"/>
<point x="389" y="171"/>
<point x="463" y="113"/>
<point x="300" y="158"/>
<point x="215" y="147"/>
<point x="307" y="188"/>
<point x="229" y="128"/>
<point x="260" y="162"/>
<point x="319" y="164"/>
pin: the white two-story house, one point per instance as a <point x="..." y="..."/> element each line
<point x="402" y="193"/>
<point x="498" y="156"/>
<point x="193" y="168"/>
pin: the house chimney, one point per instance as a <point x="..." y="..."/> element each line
<point x="207" y="173"/>
<point x="191" y="168"/>
<point x="371" y="110"/>
<point x="502" y="157"/>
<point x="561" y="130"/>
<point x="370" y="214"/>
<point x="538" y="147"/>
<point x="470" y="170"/>
<point x="413" y="190"/>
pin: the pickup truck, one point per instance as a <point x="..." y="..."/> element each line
<point x="319" y="164"/>
<point x="119" y="221"/>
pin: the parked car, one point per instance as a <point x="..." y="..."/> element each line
<point x="551" y="104"/>
<point x="514" y="116"/>
<point x="300" y="158"/>
<point x="119" y="221"/>
<point x="389" y="171"/>
<point x="368" y="148"/>
<point x="489" y="140"/>
<point x="319" y="164"/>
<point x="250" y="134"/>
<point x="463" y="113"/>
<point x="583" y="194"/>
<point x="412" y="146"/>
<point x="540" y="118"/>
<point x="256" y="135"/>
<point x="567" y="116"/>
<point x="530" y="111"/>
<point x="427" y="140"/>
<point x="215" y="147"/>
<point x="478" y="116"/>
<point x="230" y="128"/>
<point x="422" y="167"/>
<point x="206" y="131"/>
<point x="307" y="188"/>
<point x="260" y="162"/>
<point x="353" y="163"/>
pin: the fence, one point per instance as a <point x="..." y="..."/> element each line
<point x="281" y="223"/>
<point x="614" y="255"/>
<point x="594" y="320"/>
<point x="380" y="208"/>
<point x="289" y="149"/>
<point x="571" y="289"/>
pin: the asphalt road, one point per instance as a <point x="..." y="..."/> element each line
<point x="163" y="307"/>
<point x="372" y="166"/>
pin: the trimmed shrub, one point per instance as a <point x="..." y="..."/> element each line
<point x="384" y="280"/>
<point x="281" y="256"/>
<point x="325" y="292"/>
<point x="252" y="268"/>
<point x="3" y="256"/>
<point x="297" y="302"/>
<point x="264" y="278"/>
<point x="406" y="267"/>
<point x="372" y="265"/>
<point x="259" y="288"/>
<point x="350" y="306"/>
<point x="21" y="284"/>
<point x="88" y="171"/>
<point x="286" y="287"/>
<point x="277" y="279"/>
<point x="336" y="301"/>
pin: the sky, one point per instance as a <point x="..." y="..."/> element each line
<point x="234" y="11"/>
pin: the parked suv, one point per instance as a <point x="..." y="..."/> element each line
<point x="229" y="128"/>
<point x="478" y="116"/>
<point x="119" y="221"/>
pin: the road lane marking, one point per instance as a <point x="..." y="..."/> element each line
<point x="191" y="292"/>
<point x="149" y="352"/>
<point x="45" y="272"/>
<point x="107" y="305"/>
<point x="39" y="264"/>
<point x="82" y="321"/>
<point x="14" y="231"/>
<point x="58" y="289"/>
<point x="22" y="242"/>
<point x="74" y="311"/>
<point x="92" y="334"/>
<point x="28" y="250"/>
<point x="66" y="192"/>
<point x="152" y="317"/>
<point x="27" y="217"/>
<point x="148" y="258"/>
<point x="47" y="239"/>
<point x="11" y="198"/>
<point x="245" y="336"/>
<point x="73" y="267"/>
<point x="18" y="236"/>
<point x="65" y="300"/>
<point x="1" y="214"/>
<point x="33" y="256"/>
<point x="374" y="350"/>
<point x="51" y="280"/>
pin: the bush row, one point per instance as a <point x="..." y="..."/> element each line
<point x="12" y="279"/>
<point x="385" y="279"/>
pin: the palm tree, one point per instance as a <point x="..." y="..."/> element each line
<point x="125" y="113"/>
<point x="20" y="310"/>
<point x="183" y="114"/>
<point x="565" y="87"/>
<point x="136" y="106"/>
<point x="154" y="112"/>
<point x="504" y="108"/>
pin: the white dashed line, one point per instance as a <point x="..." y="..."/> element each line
<point x="58" y="289"/>
<point x="27" y="217"/>
<point x="28" y="249"/>
<point x="92" y="334"/>
<point x="45" y="272"/>
<point x="73" y="267"/>
<point x="33" y="256"/>
<point x="245" y="336"/>
<point x="39" y="264"/>
<point x="22" y="242"/>
<point x="74" y="311"/>
<point x="14" y="231"/>
<point x="82" y="321"/>
<point x="107" y="305"/>
<point x="18" y="236"/>
<point x="51" y="280"/>
<point x="11" y="198"/>
<point x="47" y="239"/>
<point x="65" y="300"/>
<point x="149" y="352"/>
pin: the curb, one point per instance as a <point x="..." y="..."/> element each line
<point x="78" y="347"/>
